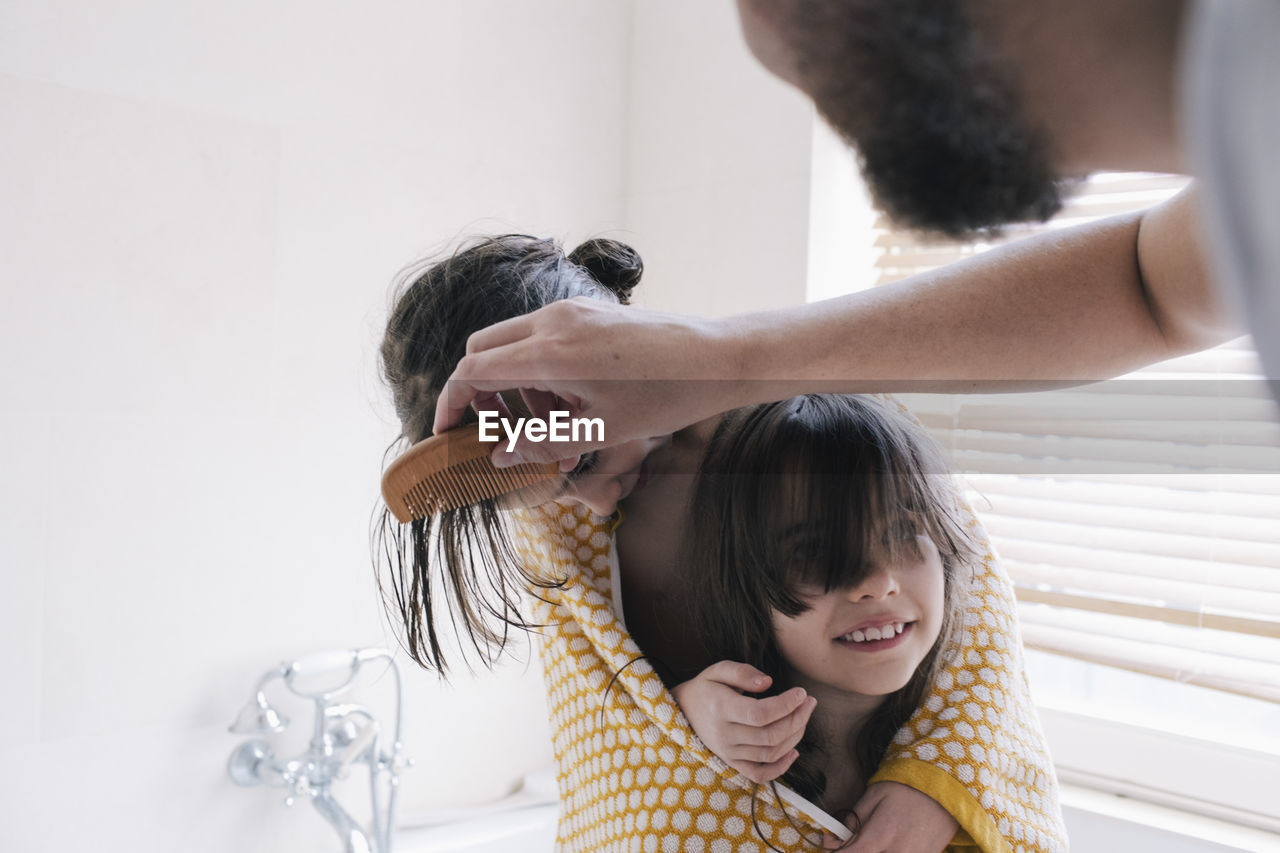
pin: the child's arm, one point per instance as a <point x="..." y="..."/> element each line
<point x="895" y="817"/>
<point x="756" y="737"/>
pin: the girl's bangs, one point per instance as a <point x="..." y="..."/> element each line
<point x="839" y="487"/>
<point x="853" y="506"/>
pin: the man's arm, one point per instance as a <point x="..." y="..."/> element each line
<point x="1076" y="305"/>
<point x="1079" y="304"/>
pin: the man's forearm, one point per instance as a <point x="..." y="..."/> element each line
<point x="1079" y="304"/>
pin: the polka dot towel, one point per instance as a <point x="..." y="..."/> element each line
<point x="634" y="777"/>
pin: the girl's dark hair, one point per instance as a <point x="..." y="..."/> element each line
<point x="463" y="562"/>
<point x="866" y="481"/>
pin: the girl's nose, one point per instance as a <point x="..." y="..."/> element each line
<point x="880" y="581"/>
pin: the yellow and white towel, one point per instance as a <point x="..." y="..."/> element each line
<point x="634" y="777"/>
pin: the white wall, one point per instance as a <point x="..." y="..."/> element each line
<point x="717" y="193"/>
<point x="203" y="207"/>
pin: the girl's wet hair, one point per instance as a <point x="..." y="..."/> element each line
<point x="463" y="563"/>
<point x="812" y="491"/>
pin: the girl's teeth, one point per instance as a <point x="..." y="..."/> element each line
<point x="883" y="633"/>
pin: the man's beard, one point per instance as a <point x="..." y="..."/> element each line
<point x="936" y="120"/>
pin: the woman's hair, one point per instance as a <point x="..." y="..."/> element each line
<point x="862" y="482"/>
<point x="462" y="562"/>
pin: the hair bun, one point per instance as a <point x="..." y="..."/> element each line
<point x="615" y="265"/>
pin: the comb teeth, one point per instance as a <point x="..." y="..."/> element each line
<point x="453" y="470"/>
<point x="467" y="483"/>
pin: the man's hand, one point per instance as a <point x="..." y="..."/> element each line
<point x="636" y="370"/>
<point x="756" y="737"/>
<point x="897" y="819"/>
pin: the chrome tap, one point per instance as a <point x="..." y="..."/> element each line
<point x="345" y="733"/>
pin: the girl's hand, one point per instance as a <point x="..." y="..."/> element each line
<point x="896" y="819"/>
<point x="756" y="737"/>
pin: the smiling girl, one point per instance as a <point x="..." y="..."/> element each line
<point x="827" y="547"/>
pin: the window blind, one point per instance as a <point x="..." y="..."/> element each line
<point x="1140" y="517"/>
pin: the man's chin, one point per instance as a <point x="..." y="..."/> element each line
<point x="959" y="195"/>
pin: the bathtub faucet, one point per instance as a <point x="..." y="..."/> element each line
<point x="344" y="734"/>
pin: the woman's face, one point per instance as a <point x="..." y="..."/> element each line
<point x="870" y="638"/>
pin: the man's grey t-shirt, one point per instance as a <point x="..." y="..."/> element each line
<point x="1231" y="119"/>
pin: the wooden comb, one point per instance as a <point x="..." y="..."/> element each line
<point x="452" y="470"/>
